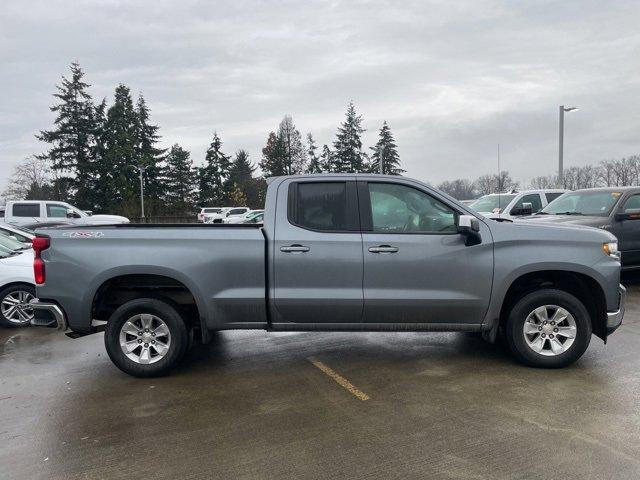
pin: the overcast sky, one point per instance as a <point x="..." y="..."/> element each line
<point x="452" y="79"/>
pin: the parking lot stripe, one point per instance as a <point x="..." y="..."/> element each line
<point x="340" y="380"/>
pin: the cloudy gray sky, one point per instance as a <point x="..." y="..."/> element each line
<point x="453" y="79"/>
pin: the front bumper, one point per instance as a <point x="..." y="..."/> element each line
<point x="49" y="315"/>
<point x="614" y="319"/>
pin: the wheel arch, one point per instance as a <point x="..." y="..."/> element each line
<point x="127" y="283"/>
<point x="583" y="286"/>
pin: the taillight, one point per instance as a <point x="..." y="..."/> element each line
<point x="39" y="244"/>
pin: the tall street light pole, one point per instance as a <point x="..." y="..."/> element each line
<point x="141" y="170"/>
<point x="561" y="142"/>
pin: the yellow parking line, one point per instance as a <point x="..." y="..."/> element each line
<point x="340" y="380"/>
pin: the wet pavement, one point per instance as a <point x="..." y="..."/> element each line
<point x="263" y="405"/>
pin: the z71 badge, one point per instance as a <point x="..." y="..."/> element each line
<point x="83" y="234"/>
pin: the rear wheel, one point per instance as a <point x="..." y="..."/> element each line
<point x="146" y="337"/>
<point x="548" y="328"/>
<point x="15" y="310"/>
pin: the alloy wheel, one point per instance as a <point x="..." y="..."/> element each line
<point x="145" y="338"/>
<point x="15" y="307"/>
<point x="549" y="330"/>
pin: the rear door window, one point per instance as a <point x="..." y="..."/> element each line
<point x="323" y="206"/>
<point x="26" y="209"/>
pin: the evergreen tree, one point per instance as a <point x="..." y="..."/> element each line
<point x="386" y="146"/>
<point x="294" y="153"/>
<point x="179" y="182"/>
<point x="100" y="172"/>
<point x="71" y="139"/>
<point x="274" y="161"/>
<point x="348" y="154"/>
<point x="213" y="175"/>
<point x="326" y="160"/>
<point x="149" y="156"/>
<point x="241" y="171"/>
<point x="314" y="165"/>
<point x="118" y="179"/>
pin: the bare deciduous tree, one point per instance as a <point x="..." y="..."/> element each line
<point x="30" y="180"/>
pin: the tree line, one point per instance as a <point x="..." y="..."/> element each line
<point x="608" y="173"/>
<point x="95" y="150"/>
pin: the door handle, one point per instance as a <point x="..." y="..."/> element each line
<point x="383" y="249"/>
<point x="295" y="249"/>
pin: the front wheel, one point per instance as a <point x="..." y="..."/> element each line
<point x="146" y="337"/>
<point x="549" y="329"/>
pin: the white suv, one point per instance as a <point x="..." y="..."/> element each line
<point x="512" y="204"/>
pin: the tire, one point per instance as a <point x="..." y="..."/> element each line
<point x="557" y="349"/>
<point x="14" y="309"/>
<point x="142" y="355"/>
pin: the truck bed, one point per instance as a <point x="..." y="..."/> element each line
<point x="222" y="266"/>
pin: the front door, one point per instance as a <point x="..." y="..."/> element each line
<point x="317" y="255"/>
<point x="417" y="268"/>
<point x="628" y="233"/>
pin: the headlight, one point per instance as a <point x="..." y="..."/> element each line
<point x="611" y="249"/>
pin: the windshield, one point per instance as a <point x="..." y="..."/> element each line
<point x="489" y="203"/>
<point x="595" y="203"/>
<point x="6" y="252"/>
<point x="11" y="244"/>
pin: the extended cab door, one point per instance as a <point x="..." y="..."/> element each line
<point x="317" y="253"/>
<point x="417" y="268"/>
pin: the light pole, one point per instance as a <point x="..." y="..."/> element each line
<point x="561" y="142"/>
<point x="141" y="170"/>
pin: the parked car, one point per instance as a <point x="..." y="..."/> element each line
<point x="242" y="218"/>
<point x="38" y="211"/>
<point x="226" y="213"/>
<point x="13" y="244"/>
<point x="208" y="211"/>
<point x="33" y="226"/>
<point x="615" y="209"/>
<point x="515" y="204"/>
<point x="21" y="234"/>
<point x="257" y="218"/>
<point x="17" y="288"/>
<point x="345" y="252"/>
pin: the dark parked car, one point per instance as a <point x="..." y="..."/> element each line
<point x="615" y="209"/>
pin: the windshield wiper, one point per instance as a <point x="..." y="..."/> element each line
<point x="541" y="213"/>
<point x="569" y="213"/>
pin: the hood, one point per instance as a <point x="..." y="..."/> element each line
<point x="560" y="230"/>
<point x="583" y="220"/>
<point x="105" y="219"/>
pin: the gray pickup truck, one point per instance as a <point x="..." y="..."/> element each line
<point x="344" y="252"/>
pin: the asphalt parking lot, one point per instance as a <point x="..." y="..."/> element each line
<point x="321" y="405"/>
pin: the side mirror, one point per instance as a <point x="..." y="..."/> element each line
<point x="72" y="214"/>
<point x="469" y="227"/>
<point x="526" y="209"/>
<point x="630" y="214"/>
<point x="88" y="212"/>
